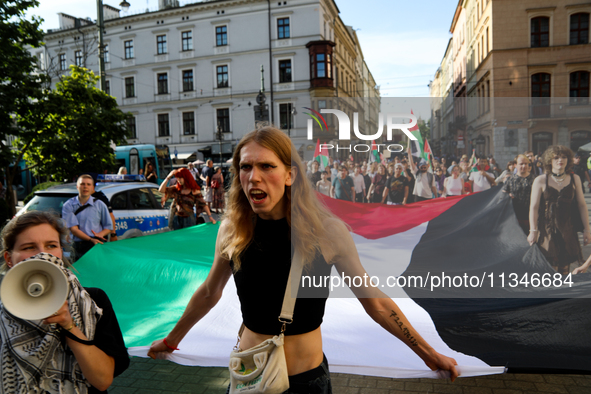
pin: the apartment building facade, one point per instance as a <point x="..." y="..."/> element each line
<point x="527" y="75"/>
<point x="185" y="72"/>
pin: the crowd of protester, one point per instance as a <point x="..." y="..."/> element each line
<point x="401" y="180"/>
<point x="535" y="184"/>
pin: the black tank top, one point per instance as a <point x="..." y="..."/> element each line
<point x="262" y="279"/>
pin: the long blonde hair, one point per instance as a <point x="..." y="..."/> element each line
<point x="306" y="216"/>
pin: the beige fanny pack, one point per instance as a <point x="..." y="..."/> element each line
<point x="262" y="368"/>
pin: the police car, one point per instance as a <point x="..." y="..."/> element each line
<point x="136" y="204"/>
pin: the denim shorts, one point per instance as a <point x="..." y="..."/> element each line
<point x="314" y="381"/>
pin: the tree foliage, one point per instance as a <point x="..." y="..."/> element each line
<point x="425" y="130"/>
<point x="70" y="131"/>
<point x="20" y="86"/>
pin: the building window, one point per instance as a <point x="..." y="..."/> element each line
<point x="221" y="36"/>
<point x="222" y="74"/>
<point x="187" y="40"/>
<point x="579" y="87"/>
<point x="540" y="32"/>
<point x="284" y="71"/>
<point x="321" y="65"/>
<point x="285" y="116"/>
<point x="41" y="61"/>
<point x="62" y="59"/>
<point x="131" y="127"/>
<point x="188" y="123"/>
<point x="108" y="87"/>
<point x="129" y="87"/>
<point x="283" y="28"/>
<point x="161" y="44"/>
<point x="128" y="49"/>
<point x="163" y="83"/>
<point x="540" y="85"/>
<point x="223" y="117"/>
<point x="106" y="54"/>
<point x="163" y="126"/>
<point x="540" y="93"/>
<point x="187" y="80"/>
<point x="78" y="58"/>
<point x="579" y="29"/>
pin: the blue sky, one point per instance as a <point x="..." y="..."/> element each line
<point x="403" y="41"/>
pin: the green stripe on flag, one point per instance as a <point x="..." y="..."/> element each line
<point x="150" y="279"/>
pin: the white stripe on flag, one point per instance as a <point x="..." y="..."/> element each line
<point x="352" y="341"/>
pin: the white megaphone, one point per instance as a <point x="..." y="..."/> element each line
<point x="34" y="289"/>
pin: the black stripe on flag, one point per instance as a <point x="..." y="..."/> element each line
<point x="526" y="329"/>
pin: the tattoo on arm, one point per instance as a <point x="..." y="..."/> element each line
<point x="405" y="330"/>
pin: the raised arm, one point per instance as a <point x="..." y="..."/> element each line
<point x="205" y="297"/>
<point x="380" y="308"/>
<point x="413" y="167"/>
<point x="164" y="184"/>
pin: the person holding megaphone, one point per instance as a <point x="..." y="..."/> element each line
<point x="55" y="335"/>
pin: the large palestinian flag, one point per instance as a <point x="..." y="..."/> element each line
<point x="150" y="281"/>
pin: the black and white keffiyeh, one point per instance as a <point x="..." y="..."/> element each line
<point x="32" y="356"/>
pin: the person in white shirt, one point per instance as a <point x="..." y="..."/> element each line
<point x="359" y="183"/>
<point x="192" y="170"/>
<point x="453" y="185"/>
<point x="425" y="187"/>
<point x="482" y="179"/>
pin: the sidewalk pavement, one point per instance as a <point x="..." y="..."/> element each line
<point x="147" y="376"/>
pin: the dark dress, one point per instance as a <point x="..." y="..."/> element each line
<point x="219" y="193"/>
<point x="379" y="182"/>
<point x="558" y="239"/>
<point x="520" y="187"/>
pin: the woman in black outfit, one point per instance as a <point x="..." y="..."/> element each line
<point x="78" y="349"/>
<point x="150" y="173"/>
<point x="271" y="209"/>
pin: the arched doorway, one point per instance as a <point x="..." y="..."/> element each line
<point x="578" y="139"/>
<point x="541" y="141"/>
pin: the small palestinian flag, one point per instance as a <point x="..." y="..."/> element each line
<point x="321" y="156"/>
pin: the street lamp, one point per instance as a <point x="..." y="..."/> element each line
<point x="100" y="21"/>
<point x="124" y="6"/>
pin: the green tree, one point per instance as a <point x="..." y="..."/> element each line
<point x="72" y="128"/>
<point x="425" y="129"/>
<point x="20" y="86"/>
